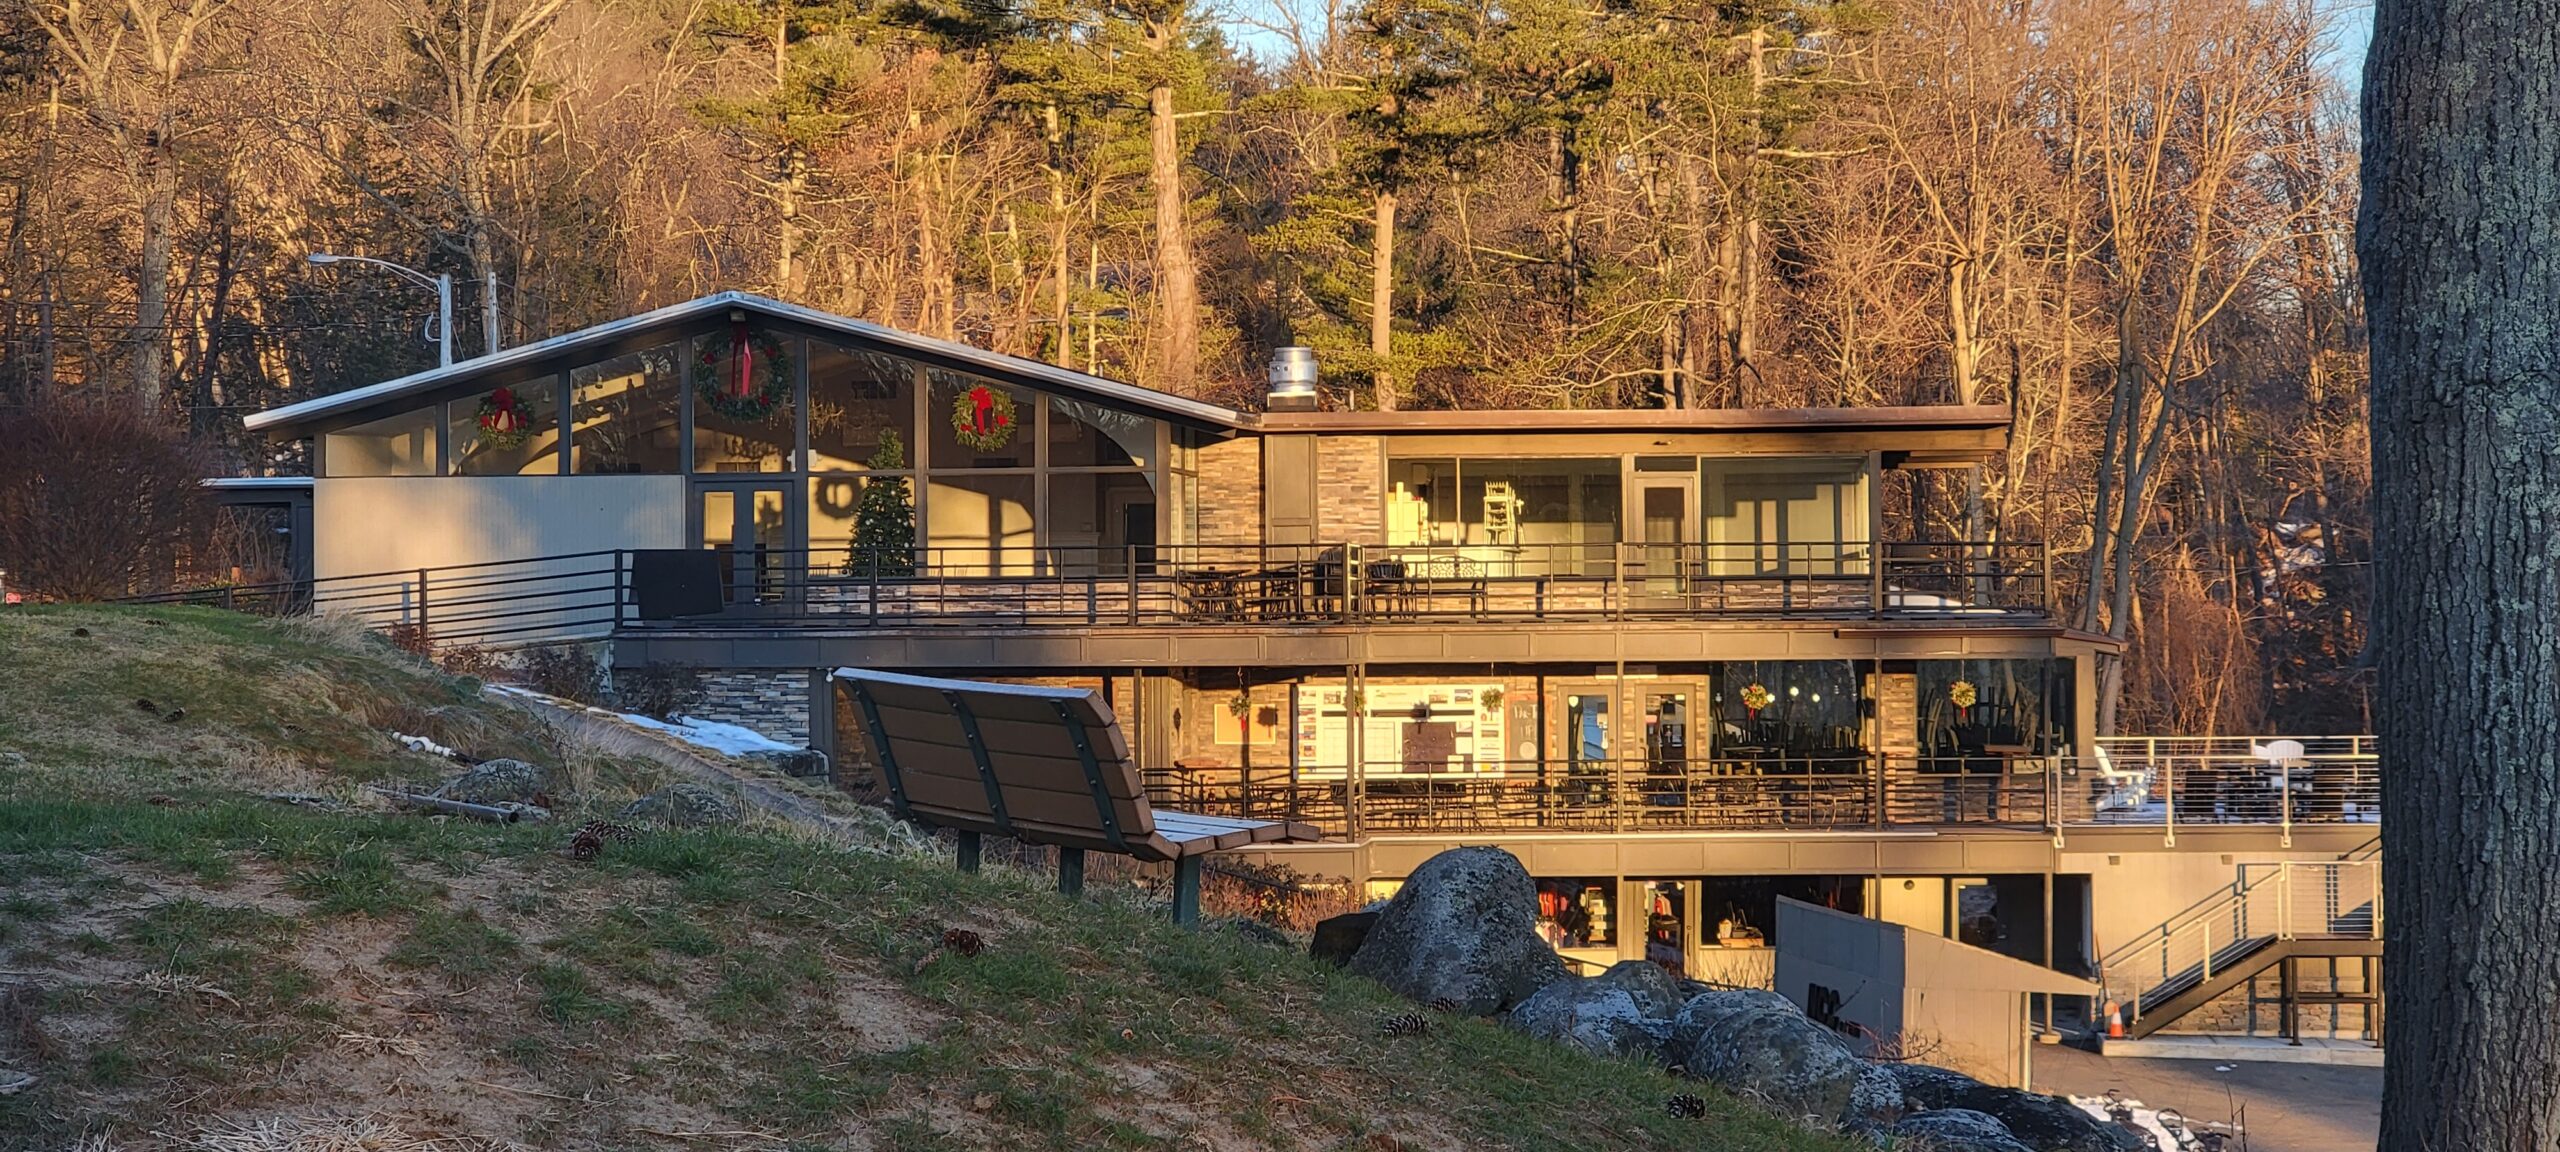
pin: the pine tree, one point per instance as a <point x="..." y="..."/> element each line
<point x="884" y="524"/>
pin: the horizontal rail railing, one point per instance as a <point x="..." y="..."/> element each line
<point x="839" y="587"/>
<point x="547" y="599"/>
<point x="2283" y="901"/>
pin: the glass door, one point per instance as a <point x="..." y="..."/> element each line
<point x="1663" y="519"/>
<point x="749" y="524"/>
<point x="1582" y="749"/>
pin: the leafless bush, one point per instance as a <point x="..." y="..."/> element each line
<point x="97" y="501"/>
<point x="567" y="671"/>
<point x="659" y="690"/>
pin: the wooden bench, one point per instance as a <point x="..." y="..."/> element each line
<point x="1041" y="765"/>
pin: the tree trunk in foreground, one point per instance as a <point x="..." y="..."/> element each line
<point x="2460" y="246"/>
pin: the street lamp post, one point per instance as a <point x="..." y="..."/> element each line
<point x="443" y="284"/>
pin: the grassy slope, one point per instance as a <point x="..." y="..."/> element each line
<point x="208" y="959"/>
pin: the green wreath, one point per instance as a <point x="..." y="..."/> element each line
<point x="750" y="396"/>
<point x="982" y="418"/>
<point x="504" y="424"/>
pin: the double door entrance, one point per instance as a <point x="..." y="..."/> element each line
<point x="751" y="525"/>
<point x="1633" y="741"/>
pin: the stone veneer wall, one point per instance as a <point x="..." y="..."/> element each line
<point x="773" y="703"/>
<point x="1231" y="491"/>
<point x="1351" y="505"/>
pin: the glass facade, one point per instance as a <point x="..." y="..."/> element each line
<point x="744" y="415"/>
<point x="403" y="444"/>
<point x="1787" y="715"/>
<point x="626" y="415"/>
<point x="1795" y="517"/>
<point x="507" y="431"/>
<point x="1514" y="517"/>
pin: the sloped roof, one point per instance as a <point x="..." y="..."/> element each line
<point x="587" y="345"/>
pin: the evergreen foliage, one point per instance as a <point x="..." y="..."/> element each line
<point x="884" y="524"/>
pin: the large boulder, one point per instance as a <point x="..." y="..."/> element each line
<point x="1760" y="1044"/>
<point x="1338" y="938"/>
<point x="2042" y="1123"/>
<point x="1876" y="1102"/>
<point x="1462" y="934"/>
<point x="498" y="782"/>
<point x="685" y="806"/>
<point x="1624" y="1012"/>
<point x="1956" y="1130"/>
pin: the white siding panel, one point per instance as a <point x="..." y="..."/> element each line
<point x="397" y="525"/>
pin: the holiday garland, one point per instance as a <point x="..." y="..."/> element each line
<point x="504" y="424"/>
<point x="982" y="418"/>
<point x="755" y="382"/>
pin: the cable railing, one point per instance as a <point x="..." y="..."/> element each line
<point x="2285" y="781"/>
<point x="2293" y="900"/>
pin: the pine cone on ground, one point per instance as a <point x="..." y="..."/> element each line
<point x="962" y="941"/>
<point x="588" y="844"/>
<point x="1404" y="1024"/>
<point x="1446" y="1006"/>
<point x="1685" y="1107"/>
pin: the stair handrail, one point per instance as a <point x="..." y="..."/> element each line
<point x="2216" y="902"/>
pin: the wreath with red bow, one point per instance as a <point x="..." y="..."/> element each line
<point x="982" y="418"/>
<point x="504" y="423"/>
<point x="755" y="381"/>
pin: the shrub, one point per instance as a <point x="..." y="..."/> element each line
<point x="567" y="671"/>
<point x="659" y="690"/>
<point x="98" y="501"/>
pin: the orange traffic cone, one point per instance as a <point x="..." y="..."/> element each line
<point x="2115" y="1021"/>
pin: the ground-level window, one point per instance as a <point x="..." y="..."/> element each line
<point x="1578" y="912"/>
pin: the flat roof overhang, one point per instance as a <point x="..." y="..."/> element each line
<point x="1592" y="644"/>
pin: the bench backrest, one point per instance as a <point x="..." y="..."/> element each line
<point x="1043" y="765"/>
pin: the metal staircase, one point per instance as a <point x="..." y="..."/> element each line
<point x="2273" y="914"/>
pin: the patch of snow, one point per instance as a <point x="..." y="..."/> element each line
<point x="726" y="739"/>
<point x="2146" y="1120"/>
<point x="422" y="744"/>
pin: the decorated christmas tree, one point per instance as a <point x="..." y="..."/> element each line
<point x="884" y="524"/>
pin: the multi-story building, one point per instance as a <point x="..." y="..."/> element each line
<point x="1676" y="661"/>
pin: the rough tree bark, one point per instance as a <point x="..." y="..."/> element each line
<point x="2459" y="242"/>
<point x="1178" y="289"/>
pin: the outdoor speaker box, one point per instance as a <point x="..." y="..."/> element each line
<point x="672" y="583"/>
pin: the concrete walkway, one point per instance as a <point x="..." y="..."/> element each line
<point x="2291" y="1107"/>
<point x="2249" y="1049"/>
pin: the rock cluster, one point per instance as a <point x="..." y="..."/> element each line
<point x="1461" y="935"/>
<point x="685" y="806"/>
<point x="498" y="782"/>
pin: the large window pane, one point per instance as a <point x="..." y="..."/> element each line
<point x="625" y="415"/>
<point x="856" y="397"/>
<point x="980" y="525"/>
<point x="1792" y="517"/>
<point x="743" y="418"/>
<point x="1101" y="521"/>
<point x="397" y="445"/>
<point x="862" y="524"/>
<point x="1995" y="708"/>
<point x="510" y="431"/>
<point x="1085" y="435"/>
<point x="1786" y="715"/>
<point x="1514" y="517"/>
<point x="1007" y="443"/>
<point x="1422" y="502"/>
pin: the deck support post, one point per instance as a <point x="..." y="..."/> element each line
<point x="969" y="852"/>
<point x="1071" y="871"/>
<point x="1186" y="891"/>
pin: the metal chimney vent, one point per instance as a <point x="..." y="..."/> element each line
<point x="1293" y="380"/>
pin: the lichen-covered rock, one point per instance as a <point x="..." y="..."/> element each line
<point x="1338" y="938"/>
<point x="685" y="806"/>
<point x="1462" y="933"/>
<point x="1956" y="1130"/>
<point x="1760" y="1044"/>
<point x="498" y="781"/>
<point x="2040" y="1122"/>
<point x="1876" y="1102"/>
<point x="1624" y="1012"/>
<point x="798" y="763"/>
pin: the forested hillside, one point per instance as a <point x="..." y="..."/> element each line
<point x="2127" y="219"/>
